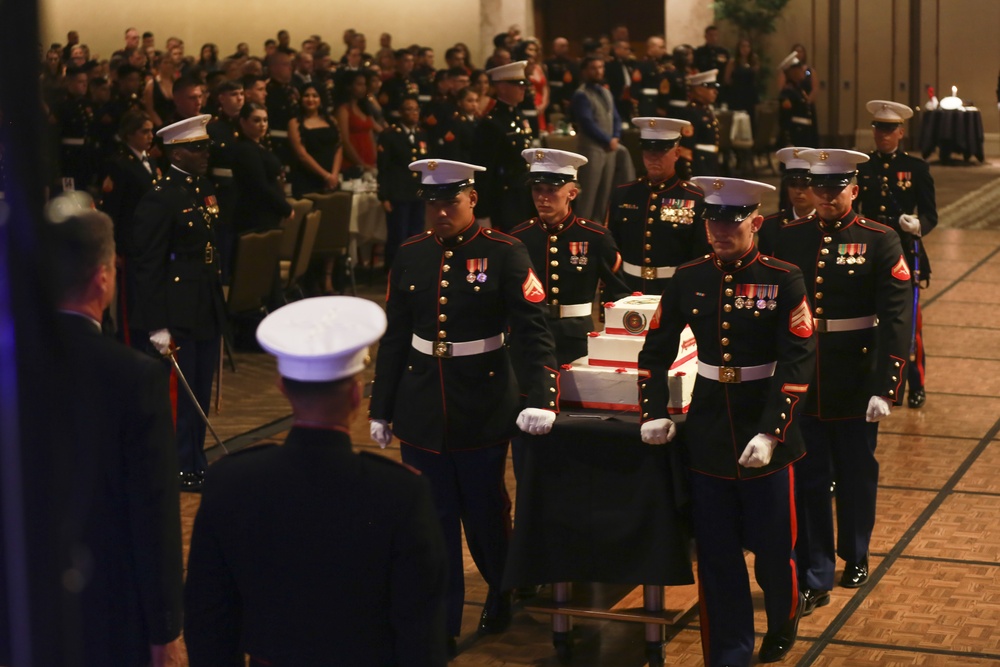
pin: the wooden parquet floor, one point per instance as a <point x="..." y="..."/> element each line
<point x="934" y="595"/>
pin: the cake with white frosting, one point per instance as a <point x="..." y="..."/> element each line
<point x="606" y="379"/>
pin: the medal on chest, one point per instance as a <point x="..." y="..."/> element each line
<point x="851" y="253"/>
<point x="749" y="296"/>
<point x="477" y="270"/>
<point x="904" y="179"/>
<point x="680" y="211"/>
<point x="578" y="252"/>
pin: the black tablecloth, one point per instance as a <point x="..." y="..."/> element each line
<point x="595" y="504"/>
<point x="952" y="131"/>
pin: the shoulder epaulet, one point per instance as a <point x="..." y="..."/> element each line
<point x="628" y="185"/>
<point x="872" y="225"/>
<point x="592" y="226"/>
<point x="370" y="456"/>
<point x="494" y="235"/>
<point x="776" y="264"/>
<point x="692" y="187"/>
<point x="799" y="221"/>
<point x="695" y="262"/>
<point x="418" y="238"/>
<point x="527" y="224"/>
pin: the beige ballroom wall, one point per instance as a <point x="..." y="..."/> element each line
<point x="435" y="23"/>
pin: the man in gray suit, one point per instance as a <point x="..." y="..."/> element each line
<point x="599" y="130"/>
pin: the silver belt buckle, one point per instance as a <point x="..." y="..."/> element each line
<point x="442" y="350"/>
<point x="649" y="273"/>
<point x="555" y="311"/>
<point x="729" y="375"/>
<point x="820" y="325"/>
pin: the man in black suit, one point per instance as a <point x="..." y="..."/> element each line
<point x="309" y="554"/>
<point x="120" y="509"/>
<point x="178" y="288"/>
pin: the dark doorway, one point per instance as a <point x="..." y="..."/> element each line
<point x="577" y="20"/>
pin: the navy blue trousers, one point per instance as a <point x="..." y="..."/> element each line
<point x="840" y="450"/>
<point x="730" y="515"/>
<point x="469" y="491"/>
<point x="198" y="360"/>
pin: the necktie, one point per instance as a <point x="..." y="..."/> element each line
<point x="145" y="163"/>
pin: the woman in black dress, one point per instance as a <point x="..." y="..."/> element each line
<point x="316" y="141"/>
<point x="260" y="197"/>
<point x="740" y="79"/>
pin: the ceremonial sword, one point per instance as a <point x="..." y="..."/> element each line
<point x="197" y="406"/>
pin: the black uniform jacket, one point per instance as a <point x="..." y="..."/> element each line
<point x="704" y="131"/>
<point x="796" y="119"/>
<point x="852" y="366"/>
<point x="462" y="402"/>
<point x="224" y="133"/>
<point x="657" y="225"/>
<point x="563" y="76"/>
<point x="457" y="139"/>
<point x="570" y="259"/>
<point x="309" y="554"/>
<point x="891" y="185"/>
<point x="724" y="417"/>
<point x="260" y="198"/>
<point x="500" y="137"/>
<point x="176" y="269"/>
<point x="397" y="148"/>
<point x="122" y="502"/>
<point x="768" y="232"/>
<point x="124" y="184"/>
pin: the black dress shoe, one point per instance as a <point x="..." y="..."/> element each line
<point x="917" y="398"/>
<point x="855" y="574"/>
<point x="777" y="644"/>
<point x="813" y="598"/>
<point x="190" y="482"/>
<point x="496" y="613"/>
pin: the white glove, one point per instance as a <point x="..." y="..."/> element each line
<point x="878" y="407"/>
<point x="658" y="431"/>
<point x="536" y="421"/>
<point x="909" y="224"/>
<point x="758" y="451"/>
<point x="381" y="433"/>
<point x="161" y="340"/>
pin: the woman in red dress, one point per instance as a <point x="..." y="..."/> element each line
<point x="357" y="126"/>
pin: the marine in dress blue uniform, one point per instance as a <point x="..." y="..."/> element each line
<point x="859" y="286"/>
<point x="656" y="221"/>
<point x="700" y="142"/>
<point x="796" y="114"/>
<point x="500" y="137"/>
<point x="405" y="141"/>
<point x="571" y="255"/>
<point x="795" y="199"/>
<point x="754" y="327"/>
<point x="444" y="379"/>
<point x="309" y="554"/>
<point x="178" y="288"/>
<point x="897" y="190"/>
<point x="224" y="130"/>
